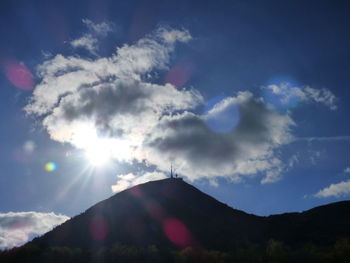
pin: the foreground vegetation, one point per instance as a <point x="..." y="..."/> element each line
<point x="272" y="252"/>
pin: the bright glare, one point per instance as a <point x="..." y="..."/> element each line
<point x="99" y="151"/>
<point x="97" y="155"/>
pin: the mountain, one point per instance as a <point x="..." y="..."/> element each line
<point x="167" y="213"/>
<point x="171" y="213"/>
<point x="171" y="221"/>
<point x="322" y="225"/>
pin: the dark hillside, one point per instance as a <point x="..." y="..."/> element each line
<point x="166" y="213"/>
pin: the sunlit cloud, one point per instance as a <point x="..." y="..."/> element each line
<point x="16" y="228"/>
<point x="224" y="116"/>
<point x="105" y="102"/>
<point x="335" y="190"/>
<point x="197" y="151"/>
<point x="125" y="181"/>
<point x="114" y="108"/>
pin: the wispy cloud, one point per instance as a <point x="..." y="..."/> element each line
<point x="89" y="40"/>
<point x="16" y="228"/>
<point x="101" y="29"/>
<point x="323" y="139"/>
<point x="287" y="94"/>
<point x="335" y="190"/>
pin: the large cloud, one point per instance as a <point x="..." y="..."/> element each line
<point x="110" y="93"/>
<point x="119" y="99"/>
<point x="16" y="228"/>
<point x="197" y="151"/>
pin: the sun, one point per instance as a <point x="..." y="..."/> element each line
<point x="99" y="151"/>
<point x="97" y="154"/>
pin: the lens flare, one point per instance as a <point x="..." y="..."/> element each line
<point x="19" y="75"/>
<point x="50" y="166"/>
<point x="177" y="232"/>
<point x="180" y="74"/>
<point x="222" y="114"/>
<point x="98" y="228"/>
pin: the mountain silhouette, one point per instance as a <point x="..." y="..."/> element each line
<point x="171" y="213"/>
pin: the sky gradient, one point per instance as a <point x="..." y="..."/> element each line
<point x="247" y="100"/>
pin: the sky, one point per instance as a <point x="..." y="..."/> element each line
<point x="247" y="100"/>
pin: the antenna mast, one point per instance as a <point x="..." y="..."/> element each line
<point x="171" y="171"/>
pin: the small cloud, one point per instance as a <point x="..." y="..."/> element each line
<point x="314" y="156"/>
<point x="286" y="95"/>
<point x="335" y="190"/>
<point x="101" y="29"/>
<point x="347" y="170"/>
<point x="213" y="182"/>
<point x="171" y="36"/>
<point x="273" y="175"/>
<point x="294" y="159"/>
<point x="125" y="181"/>
<point x="87" y="41"/>
<point x="17" y="228"/>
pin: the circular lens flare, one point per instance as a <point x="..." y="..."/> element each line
<point x="19" y="75"/>
<point x="50" y="166"/>
<point x="222" y="114"/>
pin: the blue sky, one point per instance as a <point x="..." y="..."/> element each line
<point x="248" y="100"/>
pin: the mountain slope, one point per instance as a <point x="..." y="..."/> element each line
<point x="166" y="213"/>
<point x="321" y="225"/>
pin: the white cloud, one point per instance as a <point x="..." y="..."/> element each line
<point x="336" y="190"/>
<point x="171" y="36"/>
<point x="125" y="181"/>
<point x="16" y="228"/>
<point x="109" y="93"/>
<point x="347" y="170"/>
<point x="288" y="94"/>
<point x="112" y="98"/>
<point x="197" y="151"/>
<point x="87" y="41"/>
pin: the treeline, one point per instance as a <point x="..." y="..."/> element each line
<point x="272" y="252"/>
